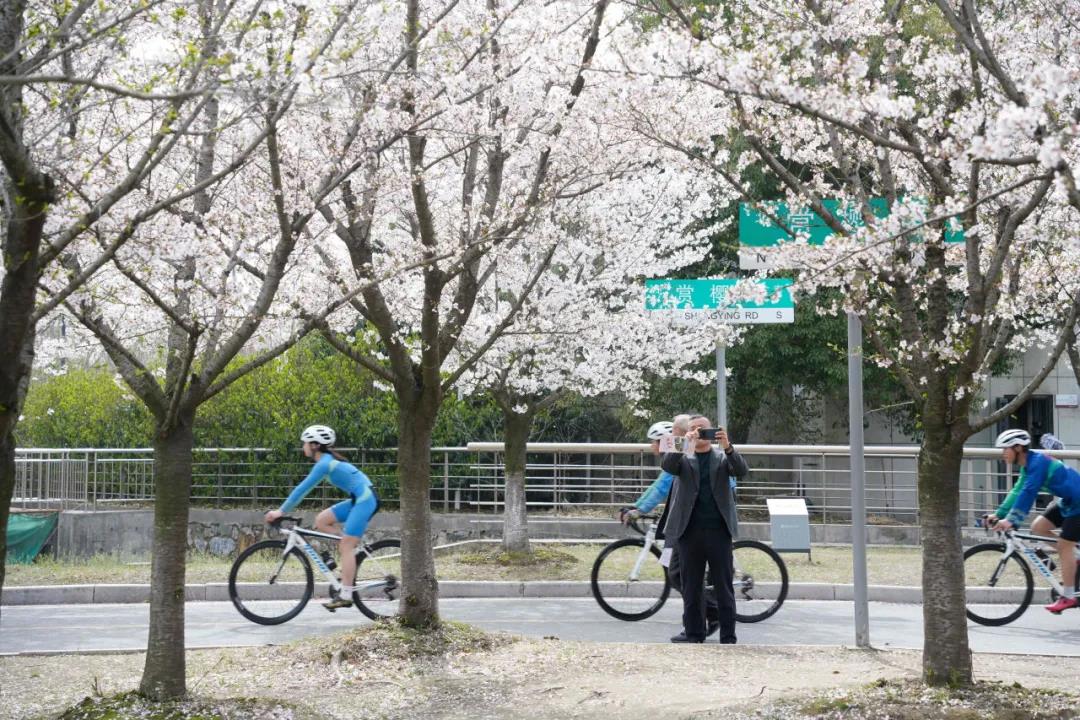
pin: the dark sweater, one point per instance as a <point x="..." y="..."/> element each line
<point x="706" y="514"/>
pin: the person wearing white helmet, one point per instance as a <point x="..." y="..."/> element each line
<point x="348" y="518"/>
<point x="659" y="429"/>
<point x="658" y="491"/>
<point x="1050" y="519"/>
<point x="1039" y="471"/>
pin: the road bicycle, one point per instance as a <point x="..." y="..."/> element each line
<point x="998" y="582"/>
<point x="272" y="581"/>
<point x="630" y="583"/>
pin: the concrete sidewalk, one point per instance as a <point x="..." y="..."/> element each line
<point x="92" y="594"/>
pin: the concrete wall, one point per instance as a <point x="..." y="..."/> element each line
<point x="84" y="533"/>
<point x="128" y="533"/>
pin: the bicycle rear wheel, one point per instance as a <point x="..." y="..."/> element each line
<point x="378" y="573"/>
<point x="620" y="595"/>
<point x="760" y="579"/>
<point x="997" y="589"/>
<point x="268" y="586"/>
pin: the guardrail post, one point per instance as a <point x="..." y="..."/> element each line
<point x="555" y="483"/>
<point x="446" y="481"/>
<point x="220" y="481"/>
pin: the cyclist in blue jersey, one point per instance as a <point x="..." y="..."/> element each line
<point x="1050" y="520"/>
<point x="348" y="518"/>
<point x="1036" y="471"/>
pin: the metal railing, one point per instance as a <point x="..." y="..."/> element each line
<point x="560" y="477"/>
<point x="564" y="475"/>
<point x="71" y="478"/>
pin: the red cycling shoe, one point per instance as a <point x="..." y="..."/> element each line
<point x="1063" y="603"/>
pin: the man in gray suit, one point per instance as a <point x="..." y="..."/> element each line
<point x="702" y="522"/>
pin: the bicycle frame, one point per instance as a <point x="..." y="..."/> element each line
<point x="1014" y="543"/>
<point x="650" y="540"/>
<point x="296" y="540"/>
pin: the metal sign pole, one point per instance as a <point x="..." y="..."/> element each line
<point x="858" y="480"/>
<point x="721" y="385"/>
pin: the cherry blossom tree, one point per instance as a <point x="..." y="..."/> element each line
<point x="952" y="232"/>
<point x="501" y="134"/>
<point x="583" y="327"/>
<point x="229" y="269"/>
<point x="87" y="116"/>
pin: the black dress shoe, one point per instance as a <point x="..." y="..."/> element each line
<point x="712" y="627"/>
<point x="681" y="638"/>
<point x="730" y="640"/>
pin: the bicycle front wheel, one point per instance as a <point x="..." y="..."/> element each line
<point x="997" y="588"/>
<point x="621" y="595"/>
<point x="761" y="581"/>
<point x="378" y="579"/>
<point x="269" y="586"/>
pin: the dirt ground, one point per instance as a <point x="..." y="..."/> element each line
<point x="354" y="676"/>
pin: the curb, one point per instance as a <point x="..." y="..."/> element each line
<point x="218" y="592"/>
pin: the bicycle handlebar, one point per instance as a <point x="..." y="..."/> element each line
<point x="633" y="523"/>
<point x="290" y="518"/>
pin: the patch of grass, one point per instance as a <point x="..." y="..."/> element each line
<point x="539" y="556"/>
<point x="393" y="640"/>
<point x="132" y="705"/>
<point x="914" y="700"/>
<point x="886" y="565"/>
<point x="201" y="568"/>
<point x="824" y="706"/>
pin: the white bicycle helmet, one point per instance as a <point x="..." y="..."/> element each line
<point x="1050" y="442"/>
<point x="1009" y="438"/>
<point x="318" y="433"/>
<point x="659" y="430"/>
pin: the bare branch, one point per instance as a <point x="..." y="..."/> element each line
<point x="107" y="87"/>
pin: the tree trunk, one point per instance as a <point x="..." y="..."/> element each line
<point x="164" y="675"/>
<point x="7" y="487"/>
<point x="516" y="429"/>
<point x="25" y="221"/>
<point x="420" y="588"/>
<point x="7" y="450"/>
<point x="946" y="657"/>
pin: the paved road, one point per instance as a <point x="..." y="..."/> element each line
<point x="97" y="628"/>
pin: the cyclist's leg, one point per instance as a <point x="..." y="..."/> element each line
<point x="1047" y="522"/>
<point x="330" y="519"/>
<point x="353" y="529"/>
<point x="1070" y="534"/>
<point x="339" y="518"/>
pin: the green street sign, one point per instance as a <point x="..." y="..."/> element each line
<point x="757" y="229"/>
<point x="701" y="299"/>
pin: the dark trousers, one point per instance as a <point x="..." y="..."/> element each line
<point x="712" y="612"/>
<point x="697" y="547"/>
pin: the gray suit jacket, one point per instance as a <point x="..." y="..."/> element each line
<point x="685" y="491"/>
